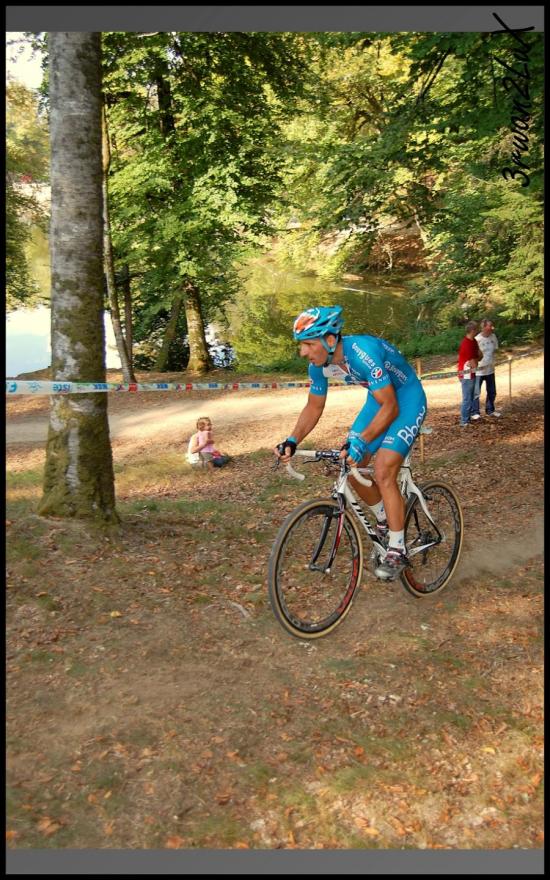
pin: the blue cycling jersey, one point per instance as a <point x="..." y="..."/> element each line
<point x="368" y="361"/>
<point x="374" y="363"/>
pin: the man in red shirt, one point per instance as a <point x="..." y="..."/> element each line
<point x="468" y="357"/>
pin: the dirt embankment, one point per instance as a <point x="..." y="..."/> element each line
<point x="154" y="702"/>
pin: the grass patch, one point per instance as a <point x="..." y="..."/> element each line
<point x="349" y="779"/>
<point x="385" y="747"/>
<point x="475" y="683"/>
<point x="19" y="508"/>
<point x="447" y="659"/>
<point x="22" y="550"/>
<point x="48" y="603"/>
<point x="222" y="830"/>
<point x="201" y="599"/>
<point x="189" y="507"/>
<point x="259" y="773"/>
<point x="159" y="467"/>
<point x="77" y="668"/>
<point x="142" y="736"/>
<point x="302" y="801"/>
<point x="41" y="658"/>
<point x="24" y="479"/>
<point x="342" y="667"/>
<point x="453" y="719"/>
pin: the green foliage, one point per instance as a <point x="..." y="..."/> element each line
<point x="419" y="343"/>
<point x="26" y="171"/>
<point x="415" y="129"/>
<point x="311" y="145"/>
<point x="194" y="121"/>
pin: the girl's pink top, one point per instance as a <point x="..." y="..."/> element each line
<point x="202" y="437"/>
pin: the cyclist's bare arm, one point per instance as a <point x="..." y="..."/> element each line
<point x="307" y="420"/>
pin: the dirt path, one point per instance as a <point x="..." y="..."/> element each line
<point x="154" y="702"/>
<point x="158" y="414"/>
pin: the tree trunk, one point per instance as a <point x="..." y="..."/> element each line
<point x="170" y="333"/>
<point x="121" y="344"/>
<point x="79" y="479"/>
<point x="199" y="357"/>
<point x="128" y="320"/>
<point x="423" y="234"/>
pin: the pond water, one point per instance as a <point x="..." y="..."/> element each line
<point x="272" y="298"/>
<point x="260" y="321"/>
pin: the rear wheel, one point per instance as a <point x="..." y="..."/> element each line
<point x="432" y="568"/>
<point x="308" y="600"/>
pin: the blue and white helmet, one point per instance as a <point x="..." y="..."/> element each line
<point x="317" y="322"/>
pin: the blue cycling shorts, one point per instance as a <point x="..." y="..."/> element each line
<point x="403" y="431"/>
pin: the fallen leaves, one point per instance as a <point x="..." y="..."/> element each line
<point x="175" y="842"/>
<point x="398" y="825"/>
<point x="197" y="716"/>
<point x="48" y="826"/>
<point x="365" y="826"/>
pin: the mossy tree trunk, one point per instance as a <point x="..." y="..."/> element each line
<point x="128" y="318"/>
<point x="169" y="334"/>
<point x="199" y="358"/>
<point x="121" y="342"/>
<point x="79" y="479"/>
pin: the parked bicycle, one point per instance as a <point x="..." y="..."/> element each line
<point x="223" y="356"/>
<point x="316" y="563"/>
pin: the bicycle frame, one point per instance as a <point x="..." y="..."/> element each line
<point x="407" y="487"/>
<point x="347" y="497"/>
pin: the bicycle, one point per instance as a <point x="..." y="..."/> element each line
<point x="316" y="563"/>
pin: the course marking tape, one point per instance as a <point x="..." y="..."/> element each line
<point x="15" y="386"/>
<point x="24" y="386"/>
<point x="517" y="357"/>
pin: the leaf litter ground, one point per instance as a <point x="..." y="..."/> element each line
<point x="154" y="702"/>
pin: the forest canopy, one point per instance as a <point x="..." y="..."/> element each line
<point x="416" y="156"/>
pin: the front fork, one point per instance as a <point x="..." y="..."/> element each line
<point x="334" y="514"/>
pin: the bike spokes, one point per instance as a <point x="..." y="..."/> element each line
<point x="433" y="547"/>
<point x="311" y="585"/>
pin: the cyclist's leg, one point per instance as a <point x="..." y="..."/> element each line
<point x="369" y="494"/>
<point x="387" y="465"/>
<point x="395" y="445"/>
<point x="392" y="447"/>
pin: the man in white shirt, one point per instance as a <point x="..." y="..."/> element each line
<point x="485" y="372"/>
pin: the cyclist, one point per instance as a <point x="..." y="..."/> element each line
<point x="387" y="424"/>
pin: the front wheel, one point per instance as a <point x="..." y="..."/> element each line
<point x="308" y="599"/>
<point x="433" y="552"/>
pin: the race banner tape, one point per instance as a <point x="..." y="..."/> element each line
<point x="16" y="386"/>
<point x="25" y="386"/>
<point x="427" y="376"/>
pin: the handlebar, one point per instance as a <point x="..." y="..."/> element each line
<point x="331" y="455"/>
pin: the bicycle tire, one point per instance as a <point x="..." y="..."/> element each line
<point x="309" y="604"/>
<point x="444" y="506"/>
